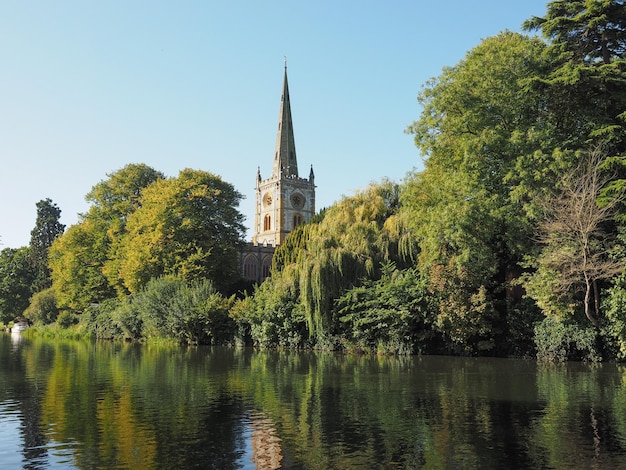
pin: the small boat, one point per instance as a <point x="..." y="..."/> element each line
<point x="19" y="326"/>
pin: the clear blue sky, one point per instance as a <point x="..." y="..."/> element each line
<point x="88" y="87"/>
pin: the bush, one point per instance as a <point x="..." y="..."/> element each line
<point x="128" y="319"/>
<point x="66" y="319"/>
<point x="559" y="341"/>
<point x="275" y="316"/>
<point x="392" y="315"/>
<point x="43" y="307"/>
<point x="168" y="307"/>
<point x="98" y="320"/>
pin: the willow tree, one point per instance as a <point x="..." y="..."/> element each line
<point x="324" y="258"/>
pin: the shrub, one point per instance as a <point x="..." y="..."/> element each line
<point x="98" y="320"/>
<point x="558" y="341"/>
<point x="43" y="307"/>
<point x="168" y="307"/>
<point x="66" y="319"/>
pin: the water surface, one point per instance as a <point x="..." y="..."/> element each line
<point x="67" y="404"/>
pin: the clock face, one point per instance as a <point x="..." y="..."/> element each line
<point x="297" y="201"/>
<point x="267" y="200"/>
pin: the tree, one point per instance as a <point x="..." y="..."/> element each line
<point x="579" y="246"/>
<point x="85" y="260"/>
<point x="47" y="229"/>
<point x="113" y="201"/>
<point x="582" y="30"/>
<point x="585" y="92"/>
<point x="187" y="226"/>
<point x="467" y="208"/>
<point x="16" y="278"/>
<point x="43" y="307"/>
<point x="76" y="261"/>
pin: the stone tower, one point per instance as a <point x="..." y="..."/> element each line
<point x="284" y="200"/>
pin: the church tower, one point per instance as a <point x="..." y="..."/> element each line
<point x="284" y="200"/>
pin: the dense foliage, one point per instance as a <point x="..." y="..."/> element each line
<point x="166" y="308"/>
<point x="16" y="278"/>
<point x="142" y="226"/>
<point x="509" y="241"/>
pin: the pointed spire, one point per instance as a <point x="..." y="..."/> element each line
<point x="285" y="161"/>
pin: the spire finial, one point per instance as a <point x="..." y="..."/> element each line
<point x="285" y="59"/>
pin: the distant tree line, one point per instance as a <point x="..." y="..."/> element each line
<point x="510" y="241"/>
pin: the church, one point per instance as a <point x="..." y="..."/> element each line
<point x="283" y="201"/>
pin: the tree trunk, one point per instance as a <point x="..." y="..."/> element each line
<point x="588" y="284"/>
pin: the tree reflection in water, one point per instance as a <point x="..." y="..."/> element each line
<point x="113" y="405"/>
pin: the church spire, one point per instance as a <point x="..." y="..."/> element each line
<point x="285" y="153"/>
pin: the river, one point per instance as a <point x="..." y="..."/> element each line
<point x="80" y="404"/>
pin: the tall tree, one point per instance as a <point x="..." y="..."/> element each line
<point x="480" y="119"/>
<point x="113" y="201"/>
<point x="586" y="91"/>
<point x="47" y="228"/>
<point x="76" y="260"/>
<point x="187" y="226"/>
<point x="85" y="260"/>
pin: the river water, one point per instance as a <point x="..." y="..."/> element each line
<point x="66" y="404"/>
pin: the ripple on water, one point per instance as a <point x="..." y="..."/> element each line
<point x="10" y="439"/>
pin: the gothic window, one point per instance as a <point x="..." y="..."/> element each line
<point x="266" y="268"/>
<point x="250" y="268"/>
<point x="297" y="220"/>
<point x="267" y="223"/>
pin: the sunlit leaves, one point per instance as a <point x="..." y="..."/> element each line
<point x="187" y="226"/>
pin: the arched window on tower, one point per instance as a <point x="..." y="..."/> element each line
<point x="297" y="220"/>
<point x="267" y="223"/>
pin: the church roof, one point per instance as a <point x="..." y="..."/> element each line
<point x="285" y="152"/>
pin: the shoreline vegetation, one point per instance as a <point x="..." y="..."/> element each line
<point x="510" y="242"/>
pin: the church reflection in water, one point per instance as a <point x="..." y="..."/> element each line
<point x="265" y="443"/>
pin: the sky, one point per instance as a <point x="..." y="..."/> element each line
<point x="89" y="87"/>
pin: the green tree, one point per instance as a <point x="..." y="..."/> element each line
<point x="323" y="259"/>
<point x="187" y="226"/>
<point x="466" y="209"/>
<point x="113" y="201"/>
<point x="47" y="229"/>
<point x="585" y="91"/>
<point x="16" y="278"/>
<point x="85" y="260"/>
<point x="76" y="260"/>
